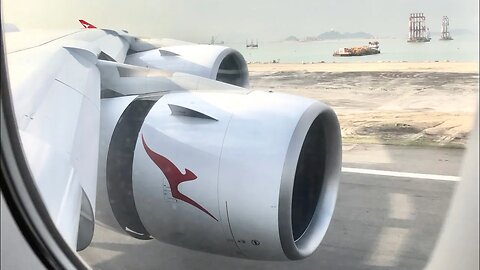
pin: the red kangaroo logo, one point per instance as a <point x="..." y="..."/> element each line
<point x="87" y="25"/>
<point x="174" y="177"/>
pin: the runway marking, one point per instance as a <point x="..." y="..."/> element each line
<point x="406" y="212"/>
<point x="402" y="174"/>
<point x="390" y="242"/>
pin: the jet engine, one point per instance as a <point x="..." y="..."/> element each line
<point x="248" y="174"/>
<point x="210" y="61"/>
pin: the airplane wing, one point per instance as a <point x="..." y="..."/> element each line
<point x="165" y="134"/>
<point x="56" y="92"/>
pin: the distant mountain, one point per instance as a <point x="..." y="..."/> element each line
<point x="455" y="32"/>
<point x="292" y="38"/>
<point x="10" y="27"/>
<point x="461" y="32"/>
<point x="337" y="35"/>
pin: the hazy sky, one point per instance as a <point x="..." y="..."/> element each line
<point x="197" y="20"/>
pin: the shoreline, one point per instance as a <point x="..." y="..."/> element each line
<point x="443" y="67"/>
<point x="430" y="104"/>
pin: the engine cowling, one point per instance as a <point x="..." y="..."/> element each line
<point x="244" y="173"/>
<point x="209" y="61"/>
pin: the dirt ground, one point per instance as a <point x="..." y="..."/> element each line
<point x="401" y="103"/>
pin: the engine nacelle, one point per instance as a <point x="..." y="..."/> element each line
<point x="249" y="174"/>
<point x="210" y="61"/>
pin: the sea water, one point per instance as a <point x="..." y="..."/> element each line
<point x="461" y="49"/>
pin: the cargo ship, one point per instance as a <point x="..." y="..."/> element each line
<point x="372" y="48"/>
<point x="251" y="45"/>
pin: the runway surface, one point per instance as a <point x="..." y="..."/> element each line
<point x="390" y="209"/>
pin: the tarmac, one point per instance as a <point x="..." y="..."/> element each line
<point x="391" y="205"/>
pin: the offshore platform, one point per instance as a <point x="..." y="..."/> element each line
<point x="418" y="29"/>
<point x="445" y="33"/>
